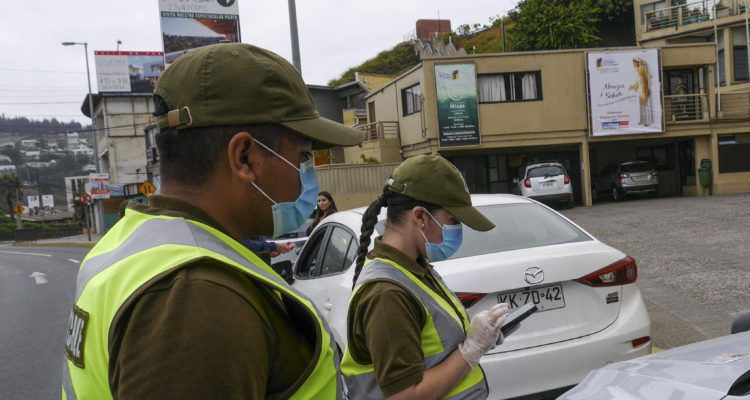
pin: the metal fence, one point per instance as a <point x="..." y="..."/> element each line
<point x="380" y="130"/>
<point x="343" y="179"/>
<point x="686" y="107"/>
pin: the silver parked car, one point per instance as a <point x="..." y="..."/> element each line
<point x="546" y="182"/>
<point x="620" y="179"/>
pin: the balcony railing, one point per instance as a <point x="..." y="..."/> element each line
<point x="735" y="105"/>
<point x="380" y="130"/>
<point x="691" y="13"/>
<point x="686" y="107"/>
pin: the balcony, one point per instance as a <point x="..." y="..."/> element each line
<point x="692" y="13"/>
<point x="380" y="130"/>
<point x="734" y="105"/>
<point x="686" y="107"/>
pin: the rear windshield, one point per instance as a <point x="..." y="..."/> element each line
<point x="541" y="172"/>
<point x="637" y="167"/>
<point x="518" y="226"/>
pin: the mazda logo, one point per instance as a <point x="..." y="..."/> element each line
<point x="533" y="275"/>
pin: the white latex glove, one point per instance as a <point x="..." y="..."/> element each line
<point x="483" y="334"/>
<point x="500" y="313"/>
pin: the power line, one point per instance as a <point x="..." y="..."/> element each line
<point x="50" y="102"/>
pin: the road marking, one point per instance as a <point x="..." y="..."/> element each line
<point x="655" y="349"/>
<point x="26" y="254"/>
<point x="39" y="278"/>
<point x="74" y="261"/>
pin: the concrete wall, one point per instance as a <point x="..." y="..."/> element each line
<point x="354" y="185"/>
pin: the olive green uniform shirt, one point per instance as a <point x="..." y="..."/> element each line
<point x="204" y="331"/>
<point x="387" y="324"/>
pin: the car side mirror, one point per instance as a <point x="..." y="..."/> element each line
<point x="741" y="324"/>
<point x="285" y="270"/>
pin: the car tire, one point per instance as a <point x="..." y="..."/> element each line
<point x="616" y="196"/>
<point x="653" y="194"/>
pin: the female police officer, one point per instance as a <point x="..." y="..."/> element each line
<point x="408" y="335"/>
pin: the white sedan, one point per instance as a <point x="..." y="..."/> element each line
<point x="590" y="311"/>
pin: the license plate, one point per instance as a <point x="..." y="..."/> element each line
<point x="639" y="178"/>
<point x="544" y="297"/>
<point x="548" y="184"/>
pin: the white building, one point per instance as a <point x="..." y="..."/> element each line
<point x="82" y="149"/>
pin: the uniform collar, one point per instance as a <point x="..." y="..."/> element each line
<point x="174" y="207"/>
<point x="418" y="267"/>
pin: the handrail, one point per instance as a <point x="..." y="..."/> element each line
<point x="380" y="130"/>
<point x="686" y="107"/>
<point x="690" y="13"/>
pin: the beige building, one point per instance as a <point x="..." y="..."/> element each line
<point x="544" y="115"/>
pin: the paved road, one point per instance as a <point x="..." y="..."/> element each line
<point x="36" y="290"/>
<point x="693" y="258"/>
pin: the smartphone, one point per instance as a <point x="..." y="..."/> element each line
<point x="517" y="316"/>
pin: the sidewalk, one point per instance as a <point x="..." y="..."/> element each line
<point x="75" y="240"/>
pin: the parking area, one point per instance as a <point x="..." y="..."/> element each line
<point x="693" y="257"/>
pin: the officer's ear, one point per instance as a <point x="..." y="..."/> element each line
<point x="242" y="156"/>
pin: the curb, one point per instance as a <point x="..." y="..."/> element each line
<point x="84" y="244"/>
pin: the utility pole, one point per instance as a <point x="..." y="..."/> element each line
<point x="295" y="39"/>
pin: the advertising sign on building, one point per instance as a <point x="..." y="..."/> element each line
<point x="128" y="73"/>
<point x="188" y="24"/>
<point x="48" y="200"/>
<point x="99" y="186"/>
<point x="33" y="201"/>
<point x="458" y="118"/>
<point x="625" y="92"/>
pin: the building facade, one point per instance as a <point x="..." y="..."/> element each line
<point x="542" y="113"/>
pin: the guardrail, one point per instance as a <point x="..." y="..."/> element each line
<point x="380" y="130"/>
<point x="691" y="13"/>
<point x="734" y="105"/>
<point x="686" y="107"/>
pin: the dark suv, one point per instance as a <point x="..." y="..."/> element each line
<point x="621" y="179"/>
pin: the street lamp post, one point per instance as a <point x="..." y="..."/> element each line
<point x="99" y="210"/>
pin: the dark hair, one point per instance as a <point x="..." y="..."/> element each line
<point x="330" y="199"/>
<point x="190" y="156"/>
<point x="398" y="205"/>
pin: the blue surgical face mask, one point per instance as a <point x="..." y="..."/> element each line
<point x="289" y="216"/>
<point x="452" y="238"/>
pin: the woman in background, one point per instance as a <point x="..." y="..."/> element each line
<point x="326" y="207"/>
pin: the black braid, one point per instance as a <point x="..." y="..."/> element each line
<point x="369" y="219"/>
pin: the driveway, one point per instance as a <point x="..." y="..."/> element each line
<point x="693" y="257"/>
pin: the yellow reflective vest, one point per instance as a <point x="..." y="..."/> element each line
<point x="441" y="334"/>
<point x="141" y="247"/>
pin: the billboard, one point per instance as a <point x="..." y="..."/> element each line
<point x="127" y="73"/>
<point x="33" y="201"/>
<point x="458" y="118"/>
<point x="99" y="186"/>
<point x="625" y="95"/>
<point x="48" y="200"/>
<point x="188" y="24"/>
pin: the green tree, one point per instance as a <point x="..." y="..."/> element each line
<point x="8" y="186"/>
<point x="389" y="62"/>
<point x="617" y="25"/>
<point x="554" y="24"/>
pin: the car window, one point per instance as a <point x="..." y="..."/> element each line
<point x="337" y="249"/>
<point x="637" y="167"/>
<point x="307" y="264"/>
<point x="518" y="226"/>
<point x="550" y="170"/>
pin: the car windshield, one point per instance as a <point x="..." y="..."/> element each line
<point x="637" y="167"/>
<point x="518" y="226"/>
<point x="550" y="170"/>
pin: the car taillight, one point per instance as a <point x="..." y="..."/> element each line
<point x="654" y="173"/>
<point x="469" y="299"/>
<point x="640" y="341"/>
<point x="527" y="182"/>
<point x="567" y="179"/>
<point x="623" y="176"/>
<point x="620" y="272"/>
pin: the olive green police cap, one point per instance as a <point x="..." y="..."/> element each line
<point x="240" y="84"/>
<point x="433" y="179"/>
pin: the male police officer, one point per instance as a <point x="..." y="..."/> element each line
<point x="169" y="304"/>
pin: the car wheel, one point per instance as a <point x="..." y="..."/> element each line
<point x="653" y="194"/>
<point x="616" y="196"/>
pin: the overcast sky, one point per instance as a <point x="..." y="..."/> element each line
<point x="335" y="35"/>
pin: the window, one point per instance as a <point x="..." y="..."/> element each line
<point x="721" y="62"/>
<point x="733" y="151"/>
<point x="515" y="86"/>
<point x="307" y="266"/>
<point x="648" y="8"/>
<point x="410" y="100"/>
<point x="339" y="254"/>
